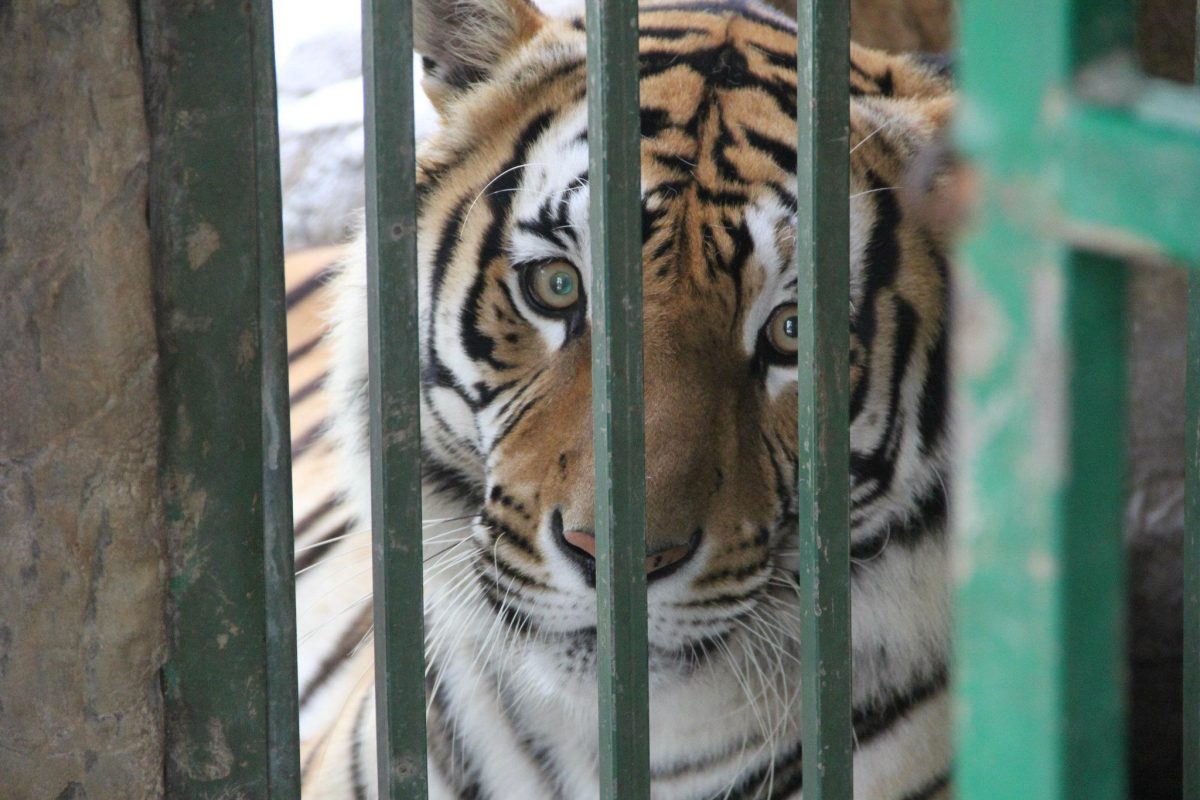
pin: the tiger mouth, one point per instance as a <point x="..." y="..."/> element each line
<point x="689" y="655"/>
<point x="686" y="656"/>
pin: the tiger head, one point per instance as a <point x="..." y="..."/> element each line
<point x="505" y="276"/>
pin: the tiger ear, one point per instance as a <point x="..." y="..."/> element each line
<point x="462" y="41"/>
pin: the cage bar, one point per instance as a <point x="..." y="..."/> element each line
<point x="283" y="701"/>
<point x="393" y="340"/>
<point x="225" y="459"/>
<point x="614" y="169"/>
<point x="823" y="258"/>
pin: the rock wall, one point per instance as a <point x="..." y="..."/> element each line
<point x="81" y="561"/>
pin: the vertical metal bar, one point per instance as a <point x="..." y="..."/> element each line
<point x="283" y="706"/>
<point x="1039" y="374"/>
<point x="1093" y="547"/>
<point x="1191" y="526"/>
<point x="614" y="168"/>
<point x="391" y="229"/>
<point x="823" y="258"/>
<point x="209" y="195"/>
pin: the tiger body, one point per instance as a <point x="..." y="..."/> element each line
<point x="507" y="435"/>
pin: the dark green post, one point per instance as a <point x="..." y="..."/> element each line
<point x="614" y="171"/>
<point x="394" y="336"/>
<point x="823" y="258"/>
<point x="230" y="676"/>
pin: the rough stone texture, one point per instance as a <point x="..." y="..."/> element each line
<point x="81" y="562"/>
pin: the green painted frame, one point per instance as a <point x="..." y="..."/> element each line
<point x="1040" y="384"/>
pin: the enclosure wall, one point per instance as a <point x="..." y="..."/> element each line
<point x="81" y="561"/>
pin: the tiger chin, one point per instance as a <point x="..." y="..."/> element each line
<point x="507" y="432"/>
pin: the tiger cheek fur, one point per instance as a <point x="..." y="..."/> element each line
<point x="507" y="431"/>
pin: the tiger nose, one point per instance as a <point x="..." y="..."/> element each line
<point x="657" y="563"/>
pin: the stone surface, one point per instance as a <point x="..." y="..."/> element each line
<point x="81" y="562"/>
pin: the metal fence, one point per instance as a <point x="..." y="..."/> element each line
<point x="1077" y="171"/>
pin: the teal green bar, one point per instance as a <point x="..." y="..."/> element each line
<point x="1040" y="391"/>
<point x="617" y="399"/>
<point x="1110" y="155"/>
<point x="1040" y="592"/>
<point x="210" y="190"/>
<point x="394" y="400"/>
<point x="1191" y="540"/>
<point x="823" y="258"/>
<point x="1010" y="478"/>
<point x="283" y="707"/>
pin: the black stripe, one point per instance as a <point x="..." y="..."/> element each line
<point x="930" y="789"/>
<point x="307" y="439"/>
<point x="356" y="765"/>
<point x="498" y="528"/>
<point x="673" y="32"/>
<point x="306" y="558"/>
<point x="444" y="742"/>
<point x="478" y="345"/>
<point x="752" y="12"/>
<point x="929" y="518"/>
<point x="301" y="350"/>
<point x="782" y="153"/>
<point x="298" y="294"/>
<point x="785" y="774"/>
<point x="339" y="655"/>
<point x="538" y="753"/>
<point x="309" y="519"/>
<point x="932" y="412"/>
<point x="878" y="718"/>
<point x="880" y="464"/>
<point x="307" y="390"/>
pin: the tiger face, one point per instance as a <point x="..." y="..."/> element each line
<point x="506" y="361"/>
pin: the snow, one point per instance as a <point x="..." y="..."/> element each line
<point x="318" y="57"/>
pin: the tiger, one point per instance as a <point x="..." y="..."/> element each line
<point x="507" y="458"/>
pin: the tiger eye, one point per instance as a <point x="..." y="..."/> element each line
<point x="554" y="286"/>
<point x="783" y="329"/>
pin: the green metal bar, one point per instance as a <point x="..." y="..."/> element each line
<point x="1040" y="627"/>
<point x="1191" y="526"/>
<point x="823" y="256"/>
<point x="214" y="264"/>
<point x="1093" y="548"/>
<point x="393" y="339"/>
<point x="283" y="705"/>
<point x="614" y="168"/>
